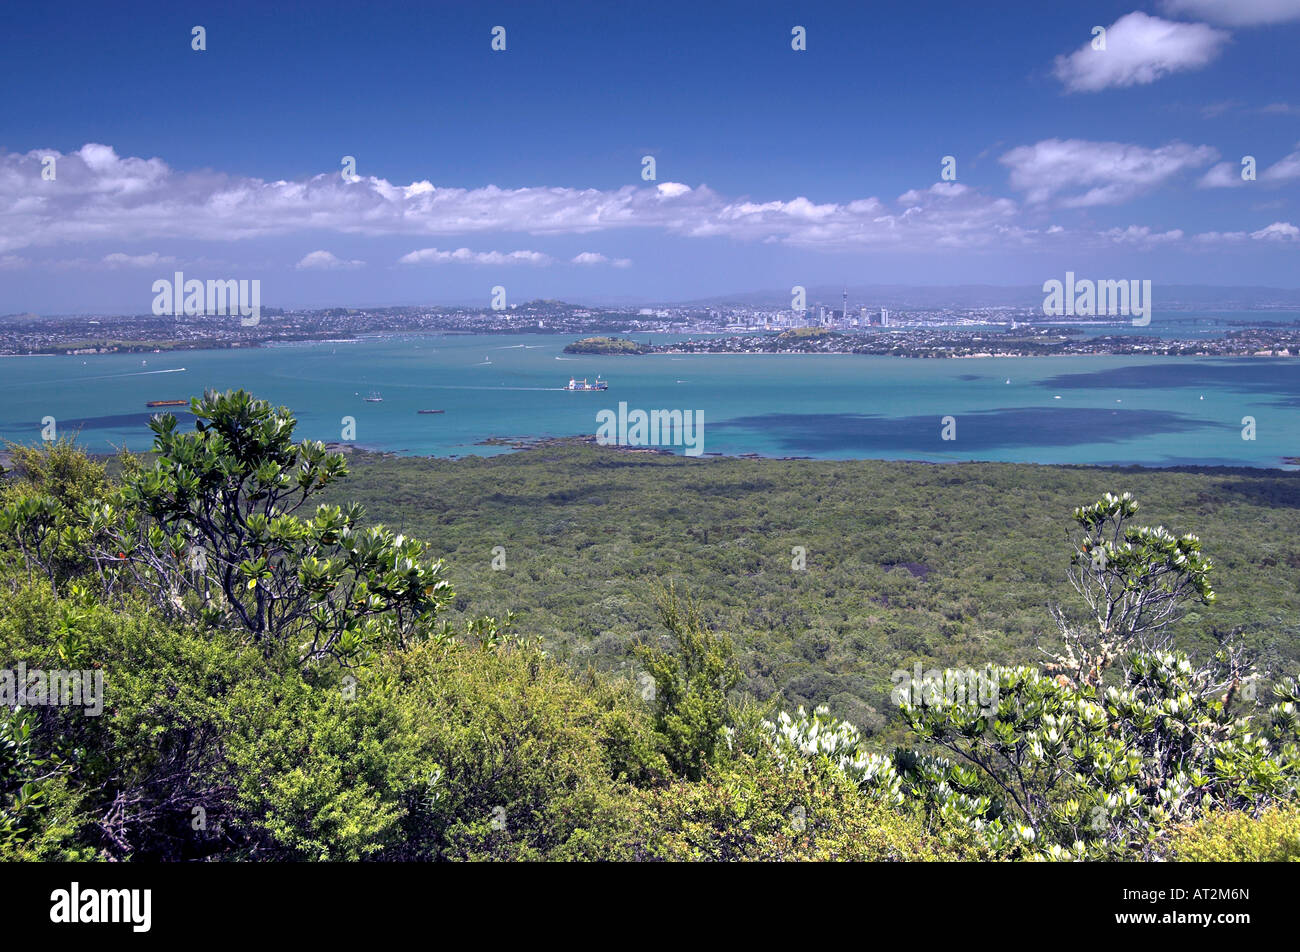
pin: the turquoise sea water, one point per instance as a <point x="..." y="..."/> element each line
<point x="1151" y="411"/>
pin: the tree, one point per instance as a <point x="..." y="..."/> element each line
<point x="38" y="502"/>
<point x="211" y="532"/>
<point x="1135" y="582"/>
<point x="691" y="684"/>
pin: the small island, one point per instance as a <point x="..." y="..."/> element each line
<point x="804" y="333"/>
<point x="606" y="345"/>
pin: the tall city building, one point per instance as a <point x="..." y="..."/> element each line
<point x="884" y="317"/>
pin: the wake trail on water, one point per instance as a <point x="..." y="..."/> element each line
<point x="467" y="387"/>
<point x="135" y="373"/>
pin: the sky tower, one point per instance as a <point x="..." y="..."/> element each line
<point x="846" y="307"/>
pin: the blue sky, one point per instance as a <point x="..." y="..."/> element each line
<point x="523" y="168"/>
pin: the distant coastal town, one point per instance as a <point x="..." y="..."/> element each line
<point x="929" y="342"/>
<point x="950" y="331"/>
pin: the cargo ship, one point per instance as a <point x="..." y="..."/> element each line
<point x="168" y="403"/>
<point x="575" y="384"/>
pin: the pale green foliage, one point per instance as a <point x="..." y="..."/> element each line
<point x="805" y="739"/>
<point x="1134" y="580"/>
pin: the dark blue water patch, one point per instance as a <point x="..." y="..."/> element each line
<point x="982" y="430"/>
<point x="113" y="422"/>
<point x="1275" y="377"/>
<point x="970" y="376"/>
<point x="1197" y="463"/>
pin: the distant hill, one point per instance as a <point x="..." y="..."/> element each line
<point x="796" y="333"/>
<point x="989" y="295"/>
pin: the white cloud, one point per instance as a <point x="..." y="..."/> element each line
<point x="465" y="256"/>
<point x="1079" y="173"/>
<point x="1284" y="170"/>
<point x="1139" y="50"/>
<point x="150" y="260"/>
<point x="1235" y="12"/>
<point x="937" y="190"/>
<point x="102" y="197"/>
<point x="1228" y="174"/>
<point x="326" y="261"/>
<point x="1278" y="231"/>
<point x="1223" y="175"/>
<point x="596" y="258"/>
<point x="1141" y="235"/>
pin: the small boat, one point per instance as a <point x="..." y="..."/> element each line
<point x="168" y="403"/>
<point x="430" y="411"/>
<point x="374" y="397"/>
<point x="575" y="384"/>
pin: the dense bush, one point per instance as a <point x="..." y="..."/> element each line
<point x="945" y="565"/>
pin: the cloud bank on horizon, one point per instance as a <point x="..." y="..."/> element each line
<point x="100" y="195"/>
<point x="1061" y="192"/>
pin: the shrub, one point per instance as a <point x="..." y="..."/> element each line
<point x="1236" y="837"/>
<point x="751" y="809"/>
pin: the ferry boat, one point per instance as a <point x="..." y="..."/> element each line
<point x="168" y="403"/>
<point x="575" y="384"/>
<point x="374" y="397"/>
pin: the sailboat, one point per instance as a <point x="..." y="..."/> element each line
<point x="374" y="397"/>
